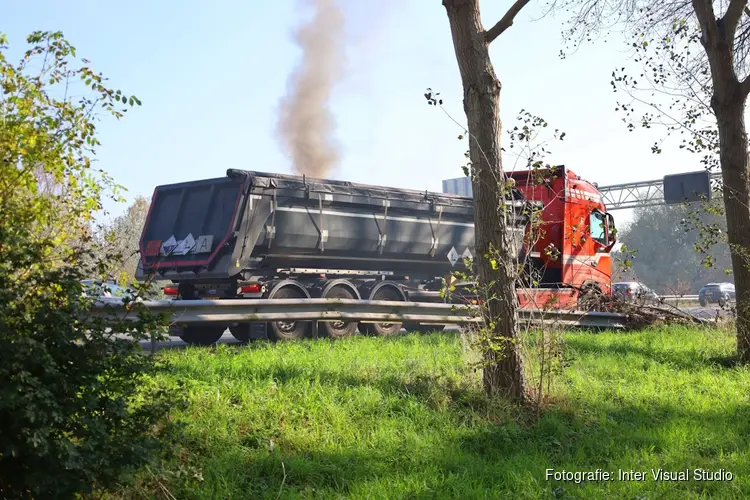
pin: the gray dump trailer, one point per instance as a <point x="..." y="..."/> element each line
<point x="260" y="235"/>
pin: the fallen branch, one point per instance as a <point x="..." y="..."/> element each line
<point x="639" y="314"/>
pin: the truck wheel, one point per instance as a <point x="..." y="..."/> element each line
<point x="241" y="332"/>
<point x="418" y="328"/>
<point x="288" y="330"/>
<point x="382" y="329"/>
<point x="339" y="329"/>
<point x="702" y="302"/>
<point x="589" y="296"/>
<point x="202" y="335"/>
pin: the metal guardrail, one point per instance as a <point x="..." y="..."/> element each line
<point x="230" y="311"/>
<point x="679" y="297"/>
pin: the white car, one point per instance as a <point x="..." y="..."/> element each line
<point x="107" y="292"/>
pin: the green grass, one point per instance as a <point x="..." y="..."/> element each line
<point x="399" y="418"/>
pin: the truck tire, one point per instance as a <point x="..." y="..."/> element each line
<point x="202" y="335"/>
<point x="419" y="328"/>
<point x="702" y="302"/>
<point x="589" y="296"/>
<point x="288" y="330"/>
<point x="339" y="329"/>
<point x="382" y="329"/>
<point x="241" y="332"/>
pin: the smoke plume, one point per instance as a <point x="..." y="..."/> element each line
<point x="306" y="124"/>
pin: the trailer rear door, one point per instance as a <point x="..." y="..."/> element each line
<point x="189" y="223"/>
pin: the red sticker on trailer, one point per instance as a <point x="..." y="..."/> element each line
<point x="152" y="248"/>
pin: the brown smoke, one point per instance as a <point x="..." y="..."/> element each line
<point x="306" y="124"/>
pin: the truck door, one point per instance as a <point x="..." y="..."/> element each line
<point x="598" y="230"/>
<point x="599" y="246"/>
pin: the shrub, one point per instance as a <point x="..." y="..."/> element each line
<point x="77" y="408"/>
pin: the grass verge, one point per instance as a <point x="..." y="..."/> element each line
<point x="400" y="418"/>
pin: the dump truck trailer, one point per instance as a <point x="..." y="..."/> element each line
<point x="259" y="235"/>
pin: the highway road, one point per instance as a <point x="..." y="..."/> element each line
<point x="177" y="343"/>
<point x="707" y="312"/>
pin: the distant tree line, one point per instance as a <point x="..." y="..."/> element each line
<point x="665" y="248"/>
<point x="122" y="236"/>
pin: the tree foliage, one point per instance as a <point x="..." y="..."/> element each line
<point x="122" y="236"/>
<point x="77" y="407"/>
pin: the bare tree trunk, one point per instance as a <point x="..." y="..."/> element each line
<point x="734" y="169"/>
<point x="504" y="368"/>
<point x="728" y="104"/>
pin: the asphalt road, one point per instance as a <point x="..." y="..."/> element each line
<point x="707" y="312"/>
<point x="177" y="343"/>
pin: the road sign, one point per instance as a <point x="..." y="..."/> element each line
<point x="687" y="188"/>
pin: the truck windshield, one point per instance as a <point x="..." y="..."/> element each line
<point x="598" y="231"/>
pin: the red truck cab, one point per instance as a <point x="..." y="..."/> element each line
<point x="568" y="248"/>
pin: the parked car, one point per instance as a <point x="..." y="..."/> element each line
<point x="107" y="292"/>
<point x="633" y="290"/>
<point x="716" y="293"/>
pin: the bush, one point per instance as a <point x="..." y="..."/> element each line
<point x="77" y="406"/>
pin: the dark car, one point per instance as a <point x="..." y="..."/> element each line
<point x="716" y="293"/>
<point x="633" y="290"/>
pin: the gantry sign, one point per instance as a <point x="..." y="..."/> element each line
<point x="672" y="189"/>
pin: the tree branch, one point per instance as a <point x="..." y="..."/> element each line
<point x="506" y="22"/>
<point x="732" y="17"/>
<point x="704" y="11"/>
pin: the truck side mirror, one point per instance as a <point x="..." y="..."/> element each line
<point x="611" y="231"/>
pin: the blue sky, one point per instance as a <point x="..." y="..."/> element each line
<point x="210" y="76"/>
